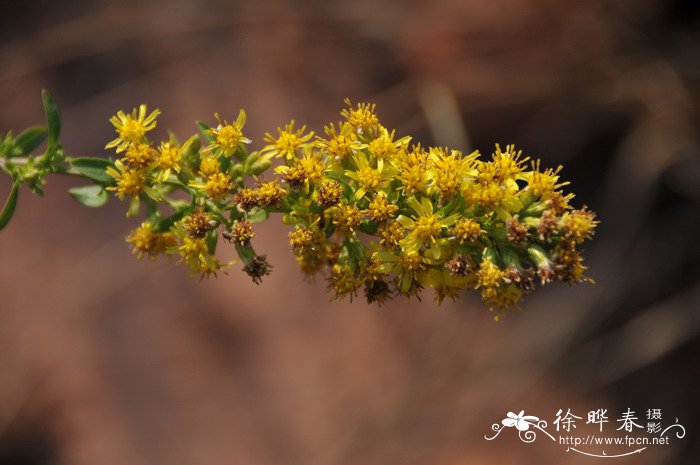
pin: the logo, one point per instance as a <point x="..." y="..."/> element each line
<point x="597" y="436"/>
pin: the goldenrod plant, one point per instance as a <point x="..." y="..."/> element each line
<point x="369" y="210"/>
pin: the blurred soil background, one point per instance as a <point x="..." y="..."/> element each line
<point x="108" y="361"/>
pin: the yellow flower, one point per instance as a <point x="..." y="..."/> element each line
<point x="217" y="185"/>
<point x="445" y="283"/>
<point x="198" y="223"/>
<point x="380" y="209"/>
<point x="408" y="267"/>
<point x="329" y="193"/>
<point x="544" y="183"/>
<point x="305" y="171"/>
<point x="139" y="155"/>
<point x="269" y="194"/>
<point x="412" y="170"/>
<point x="346" y="218"/>
<point x="448" y="171"/>
<point x="503" y="166"/>
<point x="369" y="179"/>
<point x="340" y="145"/>
<point x="383" y="147"/>
<point x="130" y="181"/>
<point x="306" y="239"/>
<point x="579" y="225"/>
<point x="209" y="165"/>
<point x="362" y="118"/>
<point x="149" y="243"/>
<point x="132" y="128"/>
<point x="344" y="282"/>
<point x="287" y="143"/>
<point x="169" y="158"/>
<point x="228" y="136"/>
<point x="467" y="230"/>
<point x="391" y="234"/>
<point x="241" y="232"/>
<point x="196" y="255"/>
<point x="426" y="226"/>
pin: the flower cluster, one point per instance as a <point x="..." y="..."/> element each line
<point x="371" y="211"/>
<point x="213" y="179"/>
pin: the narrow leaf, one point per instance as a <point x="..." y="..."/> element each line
<point x="93" y="168"/>
<point x="204" y="127"/>
<point x="53" y="117"/>
<point x="90" y="196"/>
<point x="30" y="139"/>
<point x="10" y="204"/>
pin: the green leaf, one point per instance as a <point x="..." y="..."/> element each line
<point x="91" y="196"/>
<point x="30" y="139"/>
<point x="53" y="118"/>
<point x="10" y="204"/>
<point x="93" y="168"/>
<point x="204" y="127"/>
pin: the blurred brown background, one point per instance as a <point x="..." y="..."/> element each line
<point x="109" y="361"/>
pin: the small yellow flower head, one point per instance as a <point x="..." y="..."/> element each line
<point x="209" y="165"/>
<point x="169" y="156"/>
<point x="288" y="142"/>
<point x="192" y="247"/>
<point x="269" y="194"/>
<point x="569" y="263"/>
<point x="346" y="218"/>
<point x="329" y="194"/>
<point x="467" y="230"/>
<point x="305" y="239"/>
<point x="504" y="165"/>
<point x="384" y="147"/>
<point x="217" y="186"/>
<point x="339" y="145"/>
<point x="149" y="243"/>
<point x="545" y="183"/>
<point x="369" y="178"/>
<point x="408" y="268"/>
<point x="412" y="169"/>
<point x="380" y="209"/>
<point x="427" y="227"/>
<point x="362" y="118"/>
<point x="344" y="282"/>
<point x="228" y="136"/>
<point x="558" y="202"/>
<point x="448" y="171"/>
<point x="445" y="283"/>
<point x="489" y="275"/>
<point x="132" y="128"/>
<point x="198" y="224"/>
<point x="305" y="171"/>
<point x="391" y="234"/>
<point x="241" y="232"/>
<point x="130" y="181"/>
<point x="502" y="298"/>
<point x="579" y="225"/>
<point x="246" y="199"/>
<point x="487" y="194"/>
<point x="139" y="155"/>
